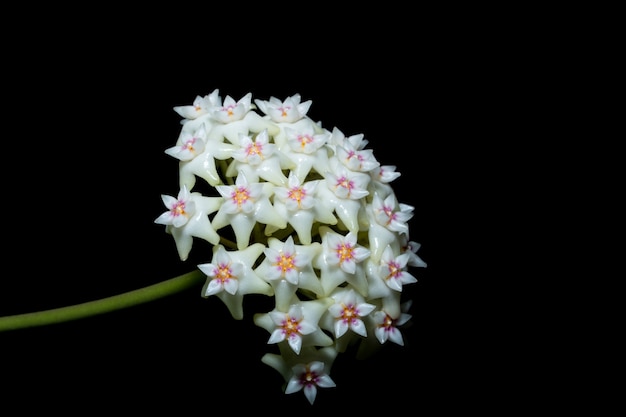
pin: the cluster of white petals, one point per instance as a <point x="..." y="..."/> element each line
<point x="300" y="213"/>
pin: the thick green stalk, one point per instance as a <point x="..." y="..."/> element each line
<point x="104" y="305"/>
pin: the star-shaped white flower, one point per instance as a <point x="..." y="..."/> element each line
<point x="298" y="204"/>
<point x="381" y="177"/>
<point x="343" y="190"/>
<point x="288" y="111"/>
<point x="305" y="148"/>
<point x="348" y="311"/>
<point x="258" y="158"/>
<point x="203" y="165"/>
<point x="385" y="323"/>
<point x="288" y="267"/>
<point x="387" y="277"/>
<point x="200" y="108"/>
<point x="386" y="326"/>
<point x="357" y="160"/>
<point x="233" y="118"/>
<point x="230" y="277"/>
<point x="308" y="377"/>
<point x="341" y="260"/>
<point x="189" y="145"/>
<point x="244" y="205"/>
<point x="305" y="372"/>
<point x="231" y="110"/>
<point x="187" y="216"/>
<point x="299" y="326"/>
<point x="391" y="214"/>
<point x="337" y="138"/>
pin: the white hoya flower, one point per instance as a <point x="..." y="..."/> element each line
<point x="305" y="148"/>
<point x="190" y="144"/>
<point x="341" y="260"/>
<point x="298" y="327"/>
<point x="200" y="107"/>
<point x="308" y="377"/>
<point x="230" y="277"/>
<point x="348" y="311"/>
<point x="187" y="216"/>
<point x="288" y="268"/>
<point x="306" y="371"/>
<point x="244" y="205"/>
<point x="257" y="158"/>
<point x="290" y="110"/>
<point x="298" y="203"/>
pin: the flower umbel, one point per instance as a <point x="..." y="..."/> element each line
<point x="316" y="225"/>
<point x="295" y="212"/>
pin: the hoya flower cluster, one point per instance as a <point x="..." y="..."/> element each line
<point x="300" y="213"/>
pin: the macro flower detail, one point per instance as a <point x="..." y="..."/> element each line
<point x="257" y="158"/>
<point x="298" y="326"/>
<point x="200" y="108"/>
<point x="302" y="215"/>
<point x="299" y="213"/>
<point x="298" y="203"/>
<point x="391" y="215"/>
<point x="290" y="110"/>
<point x="230" y="277"/>
<point x="191" y="145"/>
<point x="387" y="326"/>
<point x="231" y="110"/>
<point x="188" y="217"/>
<point x="244" y="205"/>
<point x="393" y="270"/>
<point x="347" y="313"/>
<point x="309" y="377"/>
<point x="341" y="260"/>
<point x="289" y="267"/>
<point x="304" y="372"/>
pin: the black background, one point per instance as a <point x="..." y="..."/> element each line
<point x="86" y="124"/>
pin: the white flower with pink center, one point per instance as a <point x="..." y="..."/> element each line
<point x="230" y="110"/>
<point x="344" y="192"/>
<point x="309" y="377"/>
<point x="286" y="263"/>
<point x="298" y="327"/>
<point x="391" y="214"/>
<point x="297" y="203"/>
<point x="386" y="326"/>
<point x="292" y="326"/>
<point x="393" y="270"/>
<point x="257" y="158"/>
<point x="289" y="267"/>
<point x="244" y="205"/>
<point x="200" y="106"/>
<point x="340" y="261"/>
<point x="384" y="173"/>
<point x="306" y="371"/>
<point x="290" y="110"/>
<point x="187" y="216"/>
<point x="337" y="138"/>
<point x="357" y="160"/>
<point x="305" y="149"/>
<point x="190" y="144"/>
<point x="179" y="209"/>
<point x="348" y="311"/>
<point x="230" y="277"/>
<point x="347" y="184"/>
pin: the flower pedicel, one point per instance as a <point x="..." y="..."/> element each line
<point x="301" y="214"/>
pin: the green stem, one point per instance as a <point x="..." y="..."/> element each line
<point x="104" y="305"/>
